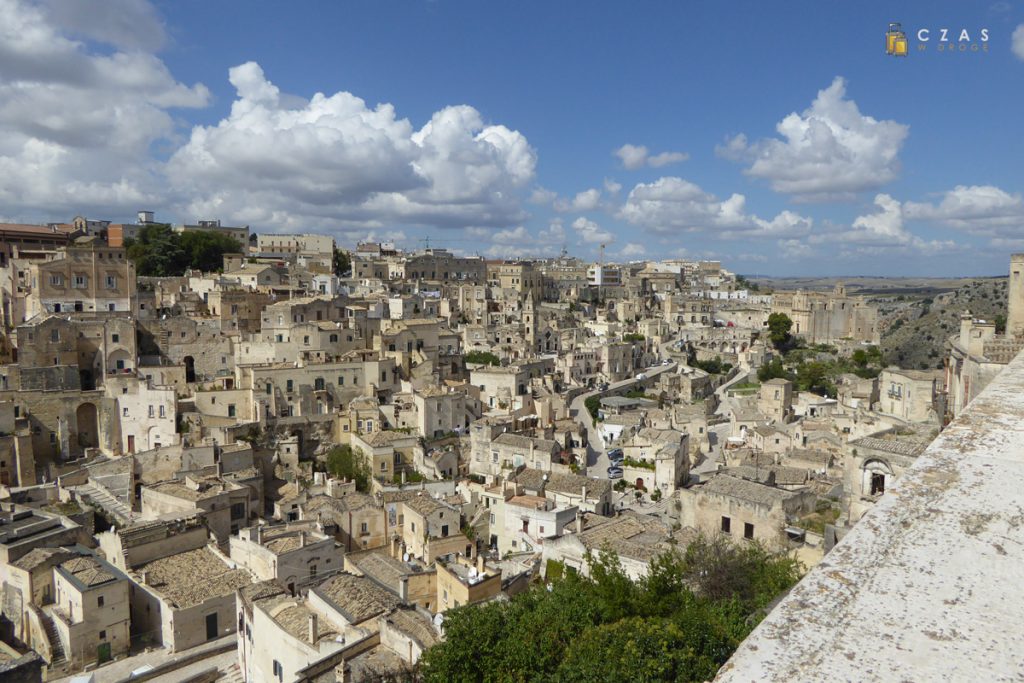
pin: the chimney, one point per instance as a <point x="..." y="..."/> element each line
<point x="314" y="631"/>
<point x="220" y="468"/>
<point x="302" y="539"/>
<point x="259" y="533"/>
<point x="145" y="577"/>
<point x="403" y="588"/>
<point x="579" y="519"/>
<point x="480" y="564"/>
<point x="584" y="495"/>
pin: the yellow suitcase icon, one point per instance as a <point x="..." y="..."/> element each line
<point x="896" y="41"/>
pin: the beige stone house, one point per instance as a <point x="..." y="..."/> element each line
<point x="91" y="610"/>
<point x="294" y="554"/>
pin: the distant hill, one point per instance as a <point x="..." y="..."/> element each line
<point x="914" y="329"/>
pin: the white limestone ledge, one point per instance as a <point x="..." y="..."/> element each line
<point x="929" y="586"/>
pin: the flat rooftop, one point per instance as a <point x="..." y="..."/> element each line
<point x="927" y="586"/>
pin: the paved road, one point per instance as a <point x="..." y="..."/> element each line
<point x="597" y="460"/>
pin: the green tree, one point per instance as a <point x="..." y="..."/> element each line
<point x="779" y="326"/>
<point x="156" y="251"/>
<point x="342" y="262"/>
<point x="813" y="376"/>
<point x="679" y="623"/>
<point x="481" y="357"/>
<point x="593" y="405"/>
<point x="204" y="249"/>
<point x="638" y="649"/>
<point x="773" y="369"/>
<point x="349" y="464"/>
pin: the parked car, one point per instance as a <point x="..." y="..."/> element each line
<point x="641" y="377"/>
<point x="603" y="386"/>
<point x="667" y="361"/>
<point x="615" y="454"/>
<point x="615" y="473"/>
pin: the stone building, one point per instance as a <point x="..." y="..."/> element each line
<point x="744" y="509"/>
<point x="909" y="395"/>
<point x="826" y="318"/>
<point x="91" y="610"/>
<point x="294" y="554"/>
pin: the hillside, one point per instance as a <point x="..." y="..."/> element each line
<point x="914" y="329"/>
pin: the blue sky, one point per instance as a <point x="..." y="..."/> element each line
<point x="776" y="136"/>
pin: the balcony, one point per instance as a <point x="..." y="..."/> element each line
<point x="927" y="586"/>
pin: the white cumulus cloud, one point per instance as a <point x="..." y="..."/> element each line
<point x="332" y="158"/>
<point x="77" y="122"/>
<point x="829" y="151"/>
<point x="672" y="204"/>
<point x="591" y="233"/>
<point x="1017" y="42"/>
<point x="976" y="209"/>
<point x="634" y="157"/>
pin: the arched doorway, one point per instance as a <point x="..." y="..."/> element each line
<point x="190" y="369"/>
<point x="87" y="425"/>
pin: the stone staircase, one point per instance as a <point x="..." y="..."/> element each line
<point x="102" y="497"/>
<point x="58" y="659"/>
<point x="231" y="675"/>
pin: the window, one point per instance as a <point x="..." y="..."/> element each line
<point x="237" y="510"/>
<point x="115" y="338"/>
<point x="79" y="282"/>
<point x="151" y="411"/>
<point x="111" y="282"/>
<point x="103" y="634"/>
<point x="748" y="530"/>
<point x="163" y="411"/>
<point x="57" y="280"/>
<point x="278" y="670"/>
<point x="231" y="410"/>
<point x="124" y="412"/>
<point x="444" y="530"/>
<point x="364" y="529"/>
<point x="305" y="340"/>
<point x="289" y="385"/>
<point x="384" y="466"/>
<point x="99" y="603"/>
<point x="113" y="307"/>
<point x="54" y="335"/>
<point x="877" y="483"/>
<point x="726" y="525"/>
<point x="341" y="381"/>
<point x="492" y="518"/>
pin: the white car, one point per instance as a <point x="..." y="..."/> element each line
<point x="641" y="377"/>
